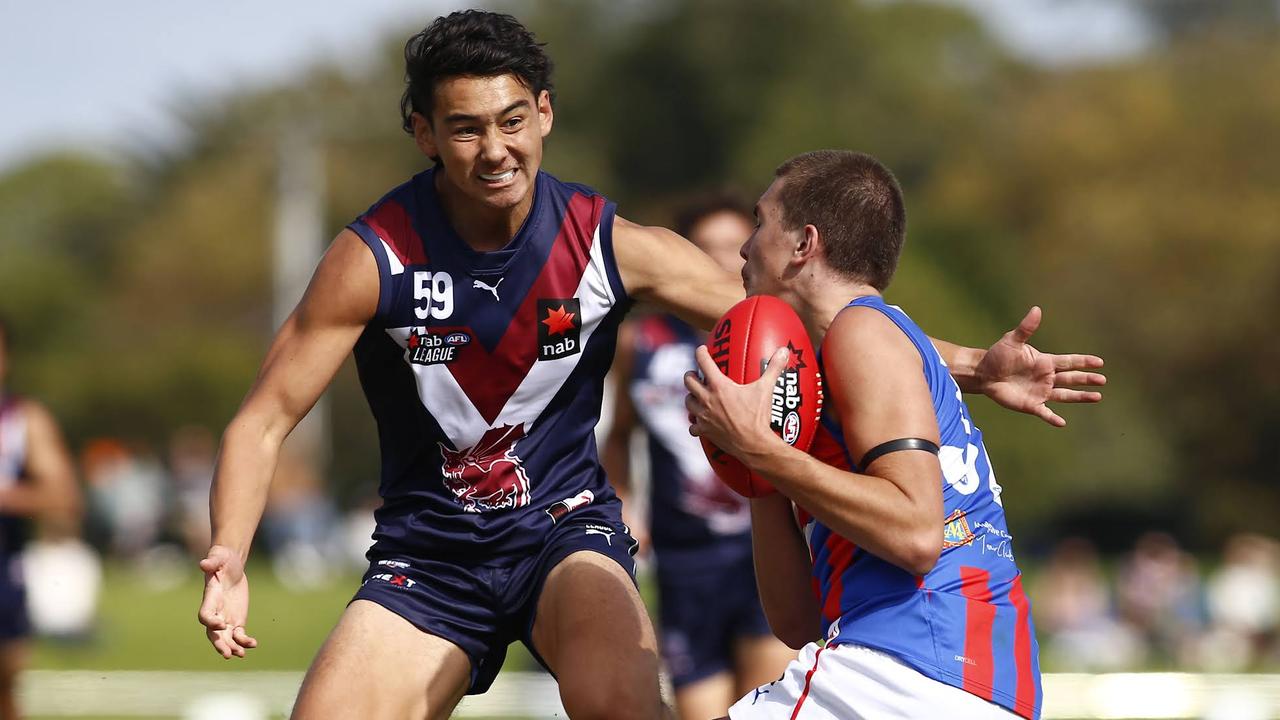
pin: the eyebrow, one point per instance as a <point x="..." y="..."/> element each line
<point x="463" y="117"/>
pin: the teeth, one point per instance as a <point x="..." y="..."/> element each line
<point x="499" y="177"/>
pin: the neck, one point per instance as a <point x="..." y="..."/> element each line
<point x="481" y="227"/>
<point x="826" y="296"/>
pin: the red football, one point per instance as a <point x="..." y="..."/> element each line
<point x="741" y="344"/>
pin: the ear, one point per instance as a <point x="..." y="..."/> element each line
<point x="545" y="115"/>
<point x="808" y="246"/>
<point x="424" y="135"/>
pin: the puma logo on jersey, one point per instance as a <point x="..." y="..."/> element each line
<point x="481" y="285"/>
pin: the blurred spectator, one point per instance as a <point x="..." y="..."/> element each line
<point x="1244" y="605"/>
<point x="191" y="457"/>
<point x="300" y="524"/>
<point x="1160" y="595"/>
<point x="1074" y="615"/>
<point x="127" y="495"/>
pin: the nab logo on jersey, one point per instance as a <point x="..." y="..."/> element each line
<point x="559" y="328"/>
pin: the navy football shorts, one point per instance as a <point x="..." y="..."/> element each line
<point x="14" y="622"/>
<point x="702" y="615"/>
<point x="483" y="608"/>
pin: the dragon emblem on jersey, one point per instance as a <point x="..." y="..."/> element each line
<point x="488" y="475"/>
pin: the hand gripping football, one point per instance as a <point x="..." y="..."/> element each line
<point x="741" y="344"/>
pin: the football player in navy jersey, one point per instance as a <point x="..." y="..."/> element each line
<point x="897" y="522"/>
<point x="481" y="300"/>
<point x="715" y="641"/>
<point x="37" y="482"/>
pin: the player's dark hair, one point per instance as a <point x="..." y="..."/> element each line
<point x="470" y="42"/>
<point x="688" y="216"/>
<point x="856" y="205"/>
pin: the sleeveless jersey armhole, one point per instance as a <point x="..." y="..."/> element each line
<point x="605" y="230"/>
<point x="388" y="266"/>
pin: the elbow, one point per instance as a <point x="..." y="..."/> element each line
<point x="921" y="553"/>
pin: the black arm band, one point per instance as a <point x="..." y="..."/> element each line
<point x="894" y="446"/>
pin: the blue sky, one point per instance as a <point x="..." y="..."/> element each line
<point x="102" y="75"/>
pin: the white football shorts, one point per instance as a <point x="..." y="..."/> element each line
<point x="852" y="682"/>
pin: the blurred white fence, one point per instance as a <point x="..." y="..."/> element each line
<point x="258" y="695"/>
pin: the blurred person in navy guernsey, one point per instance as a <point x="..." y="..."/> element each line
<point x="481" y="299"/>
<point x="888" y="536"/>
<point x="37" y="482"/>
<point x="715" y="641"/>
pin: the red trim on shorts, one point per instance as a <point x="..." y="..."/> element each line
<point x="1025" y="697"/>
<point x="808" y="677"/>
<point x="980" y="615"/>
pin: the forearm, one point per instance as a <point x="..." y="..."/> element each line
<point x="870" y="511"/>
<point x="30" y="500"/>
<point x="783" y="571"/>
<point x="238" y="497"/>
<point x="962" y="362"/>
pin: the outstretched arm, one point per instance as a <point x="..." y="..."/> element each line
<point x="306" y="352"/>
<point x="1019" y="377"/>
<point x="660" y="267"/>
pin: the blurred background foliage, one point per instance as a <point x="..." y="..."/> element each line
<point x="1135" y="200"/>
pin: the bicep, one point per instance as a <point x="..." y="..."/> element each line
<point x="308" y="349"/>
<point x="881" y="394"/>
<point x="660" y="267"/>
<point x="49" y="463"/>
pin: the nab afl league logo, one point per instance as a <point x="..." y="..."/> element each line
<point x="784" y="415"/>
<point x="559" y="328"/>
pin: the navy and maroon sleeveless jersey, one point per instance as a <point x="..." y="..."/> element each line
<point x="485" y="371"/>
<point x="695" y="518"/>
<point x="967" y="622"/>
<point x="13" y="465"/>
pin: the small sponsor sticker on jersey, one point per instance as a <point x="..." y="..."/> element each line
<point x="428" y="348"/>
<point x="568" y="505"/>
<point x="956" y="531"/>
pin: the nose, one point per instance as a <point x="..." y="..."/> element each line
<point x="493" y="149"/>
<point x="742" y="251"/>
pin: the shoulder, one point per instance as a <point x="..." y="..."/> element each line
<point x="34" y="413"/>
<point x="863" y="336"/>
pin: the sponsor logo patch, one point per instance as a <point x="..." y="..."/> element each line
<point x="956" y="530"/>
<point x="396" y="579"/>
<point x="568" y="505"/>
<point x="559" y="328"/>
<point x="427" y="348"/>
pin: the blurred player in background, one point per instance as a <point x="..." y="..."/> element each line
<point x="481" y="299"/>
<point x="897" y="519"/>
<point x="715" y="641"/>
<point x="37" y="482"/>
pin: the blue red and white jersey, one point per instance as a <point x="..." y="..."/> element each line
<point x="13" y="466"/>
<point x="693" y="515"/>
<point x="485" y="371"/>
<point x="968" y="621"/>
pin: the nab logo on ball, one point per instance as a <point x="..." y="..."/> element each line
<point x="784" y="411"/>
<point x="559" y="328"/>
<point x="741" y="345"/>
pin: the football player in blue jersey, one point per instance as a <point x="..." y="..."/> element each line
<point x="715" y="641"/>
<point x="481" y="300"/>
<point x="894" y="515"/>
<point x="37" y="482"/>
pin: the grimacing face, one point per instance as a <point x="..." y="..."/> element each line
<point x="768" y="251"/>
<point x="487" y="132"/>
<point x="721" y="235"/>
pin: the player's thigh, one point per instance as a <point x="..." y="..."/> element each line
<point x="758" y="659"/>
<point x="706" y="698"/>
<point x="375" y="664"/>
<point x="593" y="631"/>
